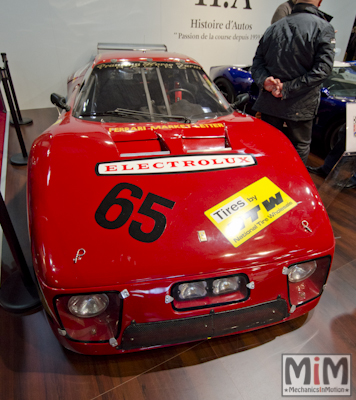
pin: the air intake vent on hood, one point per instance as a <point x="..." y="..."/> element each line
<point x="196" y="144"/>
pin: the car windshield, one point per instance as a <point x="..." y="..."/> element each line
<point x="149" y="91"/>
<point x="342" y="81"/>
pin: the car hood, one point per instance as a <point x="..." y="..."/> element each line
<point x="119" y="203"/>
<point x="344" y="98"/>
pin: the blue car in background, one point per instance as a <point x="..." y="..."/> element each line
<point x="337" y="90"/>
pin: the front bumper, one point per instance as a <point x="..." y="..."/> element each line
<point x="145" y="319"/>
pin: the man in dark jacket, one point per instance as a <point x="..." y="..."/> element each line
<point x="294" y="56"/>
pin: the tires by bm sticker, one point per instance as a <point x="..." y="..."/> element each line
<point x="247" y="212"/>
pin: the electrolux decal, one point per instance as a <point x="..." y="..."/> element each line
<point x="179" y="164"/>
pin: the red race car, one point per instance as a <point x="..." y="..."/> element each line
<point x="160" y="215"/>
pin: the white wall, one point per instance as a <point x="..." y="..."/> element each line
<point x="47" y="40"/>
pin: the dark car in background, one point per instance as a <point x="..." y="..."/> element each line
<point x="337" y="90"/>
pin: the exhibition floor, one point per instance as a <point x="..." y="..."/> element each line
<point x="33" y="366"/>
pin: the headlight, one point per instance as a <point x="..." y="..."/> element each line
<point x="226" y="285"/>
<point x="86" y="306"/>
<point x="209" y="292"/>
<point x="307" y="279"/>
<point x="191" y="290"/>
<point x="90" y="317"/>
<point x="299" y="272"/>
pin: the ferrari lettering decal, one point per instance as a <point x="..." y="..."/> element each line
<point x="175" y="164"/>
<point x="109" y="216"/>
<point x="171" y="126"/>
<point x="247" y="212"/>
<point x="128" y="129"/>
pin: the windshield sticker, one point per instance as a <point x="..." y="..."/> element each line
<point x="170" y="126"/>
<point x="148" y="64"/>
<point x="178" y="164"/>
<point x="247" y="212"/>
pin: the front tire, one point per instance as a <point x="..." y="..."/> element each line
<point x="332" y="136"/>
<point x="226" y="88"/>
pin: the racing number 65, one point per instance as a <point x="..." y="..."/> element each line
<point x="127" y="208"/>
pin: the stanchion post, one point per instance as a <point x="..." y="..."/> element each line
<point x="17" y="159"/>
<point x="14" y="243"/>
<point x="18" y="292"/>
<point x="21" y="121"/>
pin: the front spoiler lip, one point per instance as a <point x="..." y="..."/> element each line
<point x="163" y="333"/>
<point x="106" y="349"/>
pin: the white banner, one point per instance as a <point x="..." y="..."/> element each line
<point x="216" y="32"/>
<point x="351" y="127"/>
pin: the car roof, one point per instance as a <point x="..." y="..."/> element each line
<point x="111" y="52"/>
<point x="340" y="64"/>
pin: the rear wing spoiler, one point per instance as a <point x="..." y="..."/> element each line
<point x="133" y="47"/>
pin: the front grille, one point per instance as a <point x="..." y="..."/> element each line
<point x="137" y="336"/>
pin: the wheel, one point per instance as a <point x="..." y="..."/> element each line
<point x="184" y="91"/>
<point x="226" y="89"/>
<point x="332" y="136"/>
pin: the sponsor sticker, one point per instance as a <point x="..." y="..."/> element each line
<point x="164" y="165"/>
<point x="316" y="375"/>
<point x="247" y="212"/>
<point x="139" y="128"/>
<point x="147" y="64"/>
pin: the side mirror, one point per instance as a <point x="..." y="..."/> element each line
<point x="59" y="101"/>
<point x="241" y="100"/>
<point x="325" y="92"/>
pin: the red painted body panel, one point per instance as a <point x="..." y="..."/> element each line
<point x="66" y="190"/>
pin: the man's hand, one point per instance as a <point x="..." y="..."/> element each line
<point x="270" y="83"/>
<point x="274" y="86"/>
<point x="277" y="90"/>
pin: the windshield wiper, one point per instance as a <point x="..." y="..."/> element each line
<point x="148" y="114"/>
<point x="123" y="112"/>
<point x="156" y="115"/>
<point x="109" y="113"/>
